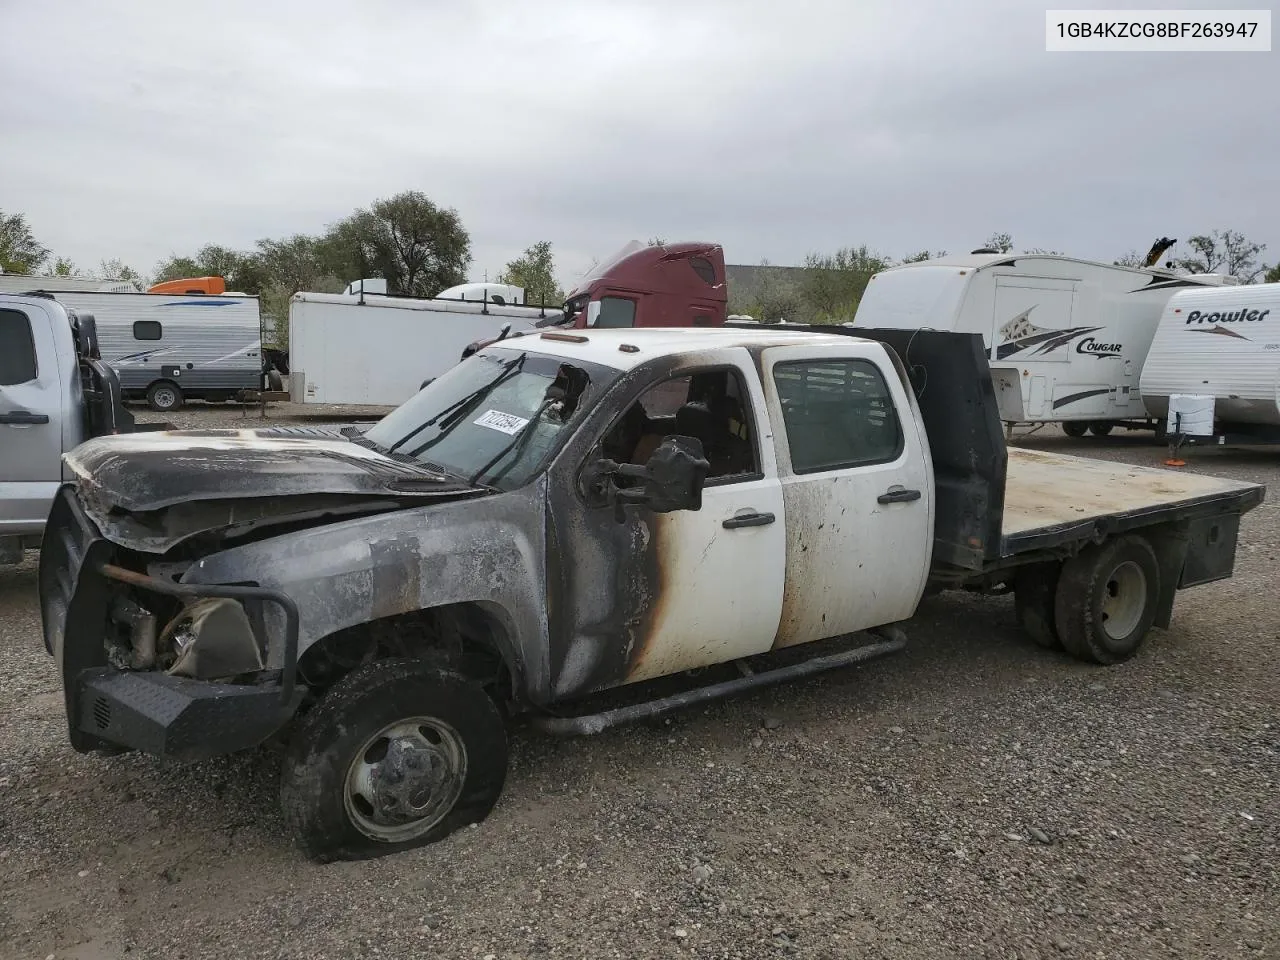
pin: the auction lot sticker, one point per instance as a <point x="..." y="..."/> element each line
<point x="507" y="423"/>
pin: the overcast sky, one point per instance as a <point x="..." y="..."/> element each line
<point x="135" y="129"/>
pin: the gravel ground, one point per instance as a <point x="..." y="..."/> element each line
<point x="972" y="797"/>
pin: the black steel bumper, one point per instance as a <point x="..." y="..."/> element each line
<point x="149" y="711"/>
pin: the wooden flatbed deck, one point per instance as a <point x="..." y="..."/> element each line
<point x="1049" y="492"/>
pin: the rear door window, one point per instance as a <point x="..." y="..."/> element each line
<point x="837" y="413"/>
<point x="17" y="349"/>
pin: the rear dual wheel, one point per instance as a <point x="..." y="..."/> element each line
<point x="1098" y="606"/>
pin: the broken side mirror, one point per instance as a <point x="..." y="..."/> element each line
<point x="671" y="479"/>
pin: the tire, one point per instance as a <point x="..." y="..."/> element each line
<point x="1074" y="428"/>
<point x="164" y="396"/>
<point x="275" y="382"/>
<point x="1100" y="429"/>
<point x="341" y="756"/>
<point x="1106" y="600"/>
<point x="1035" y="589"/>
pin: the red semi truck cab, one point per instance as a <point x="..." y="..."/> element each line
<point x="673" y="285"/>
<point x="670" y="285"/>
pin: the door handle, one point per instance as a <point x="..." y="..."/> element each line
<point x="749" y="520"/>
<point x="898" y="495"/>
<point x="23" y="418"/>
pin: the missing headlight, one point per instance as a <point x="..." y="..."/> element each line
<point x="211" y="639"/>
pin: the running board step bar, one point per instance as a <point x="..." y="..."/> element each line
<point x="895" y="640"/>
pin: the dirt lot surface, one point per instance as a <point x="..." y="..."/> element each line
<point x="972" y="797"/>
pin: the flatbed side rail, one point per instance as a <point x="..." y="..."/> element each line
<point x="1097" y="529"/>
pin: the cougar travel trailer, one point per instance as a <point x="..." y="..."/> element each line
<point x="168" y="349"/>
<point x="1221" y="344"/>
<point x="365" y="348"/>
<point x="1067" y="337"/>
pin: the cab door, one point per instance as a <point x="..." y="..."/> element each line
<point x="31" y="393"/>
<point x="657" y="594"/>
<point x="856" y="488"/>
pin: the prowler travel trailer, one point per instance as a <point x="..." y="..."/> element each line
<point x="1224" y="346"/>
<point x="1066" y="338"/>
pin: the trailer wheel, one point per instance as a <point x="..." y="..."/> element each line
<point x="1034" y="593"/>
<point x="396" y="755"/>
<point x="164" y="395"/>
<point x="1106" y="600"/>
<point x="1100" y="429"/>
<point x="1074" y="428"/>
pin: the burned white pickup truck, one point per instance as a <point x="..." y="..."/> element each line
<point x="570" y="514"/>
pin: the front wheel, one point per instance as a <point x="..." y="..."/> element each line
<point x="1106" y="600"/>
<point x="398" y="754"/>
<point x="1075" y="428"/>
<point x="1100" y="429"/>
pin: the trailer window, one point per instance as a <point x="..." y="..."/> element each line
<point x="616" y="312"/>
<point x="838" y="414"/>
<point x="147" y="330"/>
<point x="17" y="349"/>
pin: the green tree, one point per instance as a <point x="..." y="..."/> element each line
<point x="176" y="268"/>
<point x="117" y="269"/>
<point x="1224" y="251"/>
<point x="999" y="242"/>
<point x="62" y="267"/>
<point x="834" y="284"/>
<point x="20" y="252"/>
<point x="417" y="246"/>
<point x="1131" y="259"/>
<point x="535" y="270"/>
<point x="1272" y="275"/>
<point x="922" y="256"/>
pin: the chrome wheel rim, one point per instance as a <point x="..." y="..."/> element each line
<point x="1124" y="599"/>
<point x="405" y="779"/>
<point x="165" y="397"/>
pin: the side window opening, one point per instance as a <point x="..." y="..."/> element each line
<point x="703" y="268"/>
<point x="709" y="405"/>
<point x="837" y="413"/>
<point x="147" y="330"/>
<point x="17" y="349"/>
<point x="616" y="312"/>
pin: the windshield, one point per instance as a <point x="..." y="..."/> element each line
<point x="493" y="419"/>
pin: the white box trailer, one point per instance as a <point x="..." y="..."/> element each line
<point x="170" y="348"/>
<point x="1067" y="338"/>
<point x="376" y="350"/>
<point x="25" y="283"/>
<point x="1223" y="344"/>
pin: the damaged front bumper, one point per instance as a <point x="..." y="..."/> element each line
<point x="149" y="710"/>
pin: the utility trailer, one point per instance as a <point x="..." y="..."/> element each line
<point x="569" y="516"/>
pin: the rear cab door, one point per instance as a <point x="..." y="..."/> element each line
<point x="857" y="490"/>
<point x="31" y="414"/>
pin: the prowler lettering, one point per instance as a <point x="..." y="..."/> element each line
<point x="1237" y="316"/>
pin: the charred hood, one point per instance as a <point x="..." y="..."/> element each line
<point x="151" y="490"/>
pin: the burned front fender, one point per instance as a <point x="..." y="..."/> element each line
<point x="489" y="550"/>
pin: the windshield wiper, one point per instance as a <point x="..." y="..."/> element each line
<point x="516" y="445"/>
<point x="455" y="411"/>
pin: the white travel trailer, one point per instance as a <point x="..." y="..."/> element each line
<point x="369" y="349"/>
<point x="168" y="349"/>
<point x="24" y="283"/>
<point x="1067" y="337"/>
<point x="1224" y="346"/>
